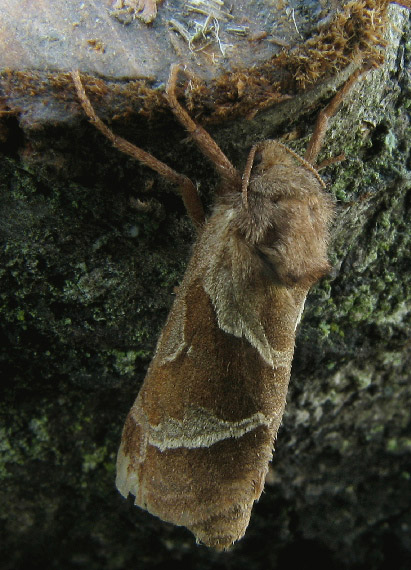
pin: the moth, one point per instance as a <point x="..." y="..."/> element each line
<point x="198" y="440"/>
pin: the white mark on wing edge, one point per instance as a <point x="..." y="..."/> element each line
<point x="200" y="428"/>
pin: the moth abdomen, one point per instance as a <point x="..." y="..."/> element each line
<point x="208" y="489"/>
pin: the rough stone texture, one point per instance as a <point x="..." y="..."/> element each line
<point x="99" y="39"/>
<point x="85" y="283"/>
<point x="284" y="48"/>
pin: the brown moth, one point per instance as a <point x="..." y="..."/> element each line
<point x="197" y="442"/>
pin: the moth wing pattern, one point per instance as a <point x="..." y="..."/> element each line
<point x="198" y="440"/>
<point x="185" y="457"/>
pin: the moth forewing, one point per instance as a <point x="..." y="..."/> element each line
<point x="198" y="440"/>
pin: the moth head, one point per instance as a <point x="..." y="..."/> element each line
<point x="271" y="166"/>
<point x="285" y="213"/>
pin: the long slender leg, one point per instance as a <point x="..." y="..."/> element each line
<point x="317" y="138"/>
<point x="328" y="161"/>
<point x="206" y="144"/>
<point x="188" y="191"/>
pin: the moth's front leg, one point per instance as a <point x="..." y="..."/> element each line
<point x="144" y="10"/>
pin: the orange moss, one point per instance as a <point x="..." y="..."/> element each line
<point x="128" y="98"/>
<point x="356" y="33"/>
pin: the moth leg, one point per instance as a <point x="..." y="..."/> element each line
<point x="188" y="191"/>
<point x="206" y="144"/>
<point x="332" y="160"/>
<point x="317" y="138"/>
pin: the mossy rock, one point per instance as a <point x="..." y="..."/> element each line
<point x="93" y="245"/>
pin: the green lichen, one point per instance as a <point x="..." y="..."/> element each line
<point x="28" y="441"/>
<point x="363" y="379"/>
<point x="399" y="445"/>
<point x="94" y="459"/>
<point x="125" y="361"/>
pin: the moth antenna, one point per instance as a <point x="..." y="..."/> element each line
<point x="250" y="162"/>
<point x="305" y="162"/>
<point x="188" y="191"/>
<point x="321" y="126"/>
<point x="247" y="174"/>
<point x="204" y="141"/>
